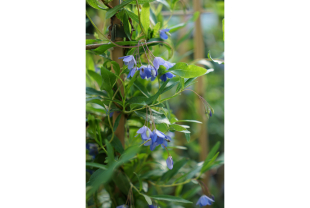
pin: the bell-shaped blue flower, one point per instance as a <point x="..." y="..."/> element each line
<point x="129" y="61"/>
<point x="132" y="72"/>
<point x="157" y="139"/>
<point x="164" y="77"/>
<point x="122" y="206"/>
<point x="145" y="133"/>
<point x="204" y="200"/>
<point x="169" y="162"/>
<point x="152" y="206"/>
<point x="163" y="34"/>
<point x="145" y="72"/>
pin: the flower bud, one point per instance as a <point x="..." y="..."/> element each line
<point x="169" y="162"/>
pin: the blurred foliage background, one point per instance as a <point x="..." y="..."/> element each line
<point x="183" y="106"/>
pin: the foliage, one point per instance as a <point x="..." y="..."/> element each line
<point x="147" y="170"/>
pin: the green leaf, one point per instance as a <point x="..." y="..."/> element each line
<point x="95" y="76"/>
<point x="165" y="3"/>
<point x="115" y="9"/>
<point x="177" y="127"/>
<point x="96" y="165"/>
<point x="189" y="82"/>
<point x="129" y="153"/>
<point x="108" y="79"/>
<point x="188" y="137"/>
<point x="98" y="177"/>
<point x="170" y="198"/>
<point x="145" y="16"/>
<point x="176" y="27"/>
<point x="194" y="17"/>
<point x="187" y="71"/>
<point x="121" y="182"/>
<point x="213" y="151"/>
<point x="140" y="182"/>
<point x="158" y="117"/>
<point x="141" y="88"/>
<point x="116" y="143"/>
<point x="156" y="29"/>
<point x="141" y="100"/>
<point x="131" y="82"/>
<point x="191" y="192"/>
<point x="117" y="122"/>
<point x="116" y="67"/>
<point x="94" y="4"/>
<point x="210" y="156"/>
<point x="92" y="91"/>
<point x="181" y="25"/>
<point x="126" y="25"/>
<point x="148" y="199"/>
<point x="191" y="121"/>
<point x="110" y="153"/>
<point x="207" y="166"/>
<point x="176" y="167"/>
<point x="133" y="16"/>
<point x="216" y="61"/>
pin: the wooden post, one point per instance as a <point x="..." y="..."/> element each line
<point x="116" y="53"/>
<point x="200" y="88"/>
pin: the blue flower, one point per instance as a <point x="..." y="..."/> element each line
<point x="154" y="72"/>
<point x="204" y="200"/>
<point x="129" y="61"/>
<point x="168" y="65"/>
<point x="210" y="113"/>
<point x="165" y="140"/>
<point x="132" y="72"/>
<point x="164" y="77"/>
<point x="122" y="206"/>
<point x="145" y="132"/>
<point x="163" y="33"/>
<point x="169" y="162"/>
<point x="152" y="206"/>
<point x="92" y="149"/>
<point x="157" y="62"/>
<point x="157" y="139"/>
<point x="145" y="72"/>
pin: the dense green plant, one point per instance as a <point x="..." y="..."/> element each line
<point x="141" y="173"/>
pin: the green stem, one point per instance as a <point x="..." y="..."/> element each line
<point x="176" y="184"/>
<point x="139" y="18"/>
<point x="145" y="142"/>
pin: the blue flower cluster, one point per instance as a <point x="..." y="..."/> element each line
<point x="204" y="200"/>
<point x="92" y="149"/>
<point x="155" y="138"/>
<point x="148" y="71"/>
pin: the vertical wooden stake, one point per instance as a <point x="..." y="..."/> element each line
<point x="200" y="87"/>
<point x="116" y="53"/>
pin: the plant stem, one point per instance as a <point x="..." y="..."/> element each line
<point x="139" y="18"/>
